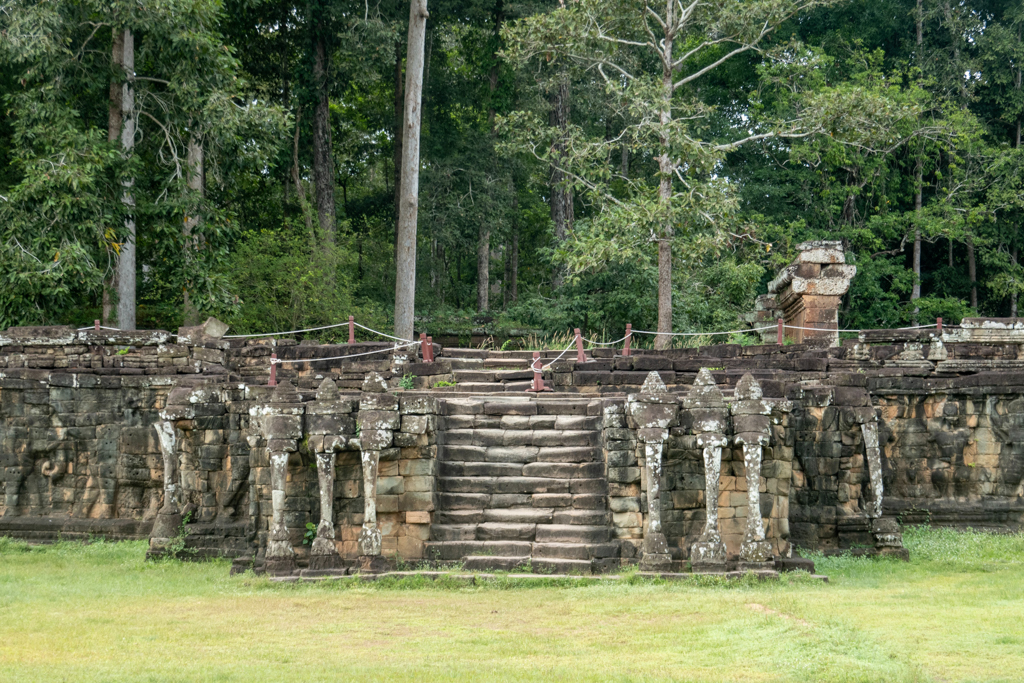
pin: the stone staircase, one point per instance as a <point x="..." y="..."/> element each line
<point x="522" y="486"/>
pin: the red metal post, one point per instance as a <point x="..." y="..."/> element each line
<point x="629" y="339"/>
<point x="273" y="370"/>
<point x="96" y="325"/>
<point x="580" y="356"/>
<point x="351" y="329"/>
<point x="430" y="347"/>
<point x="780" y="332"/>
<point x="424" y="349"/>
<point x="538" y="378"/>
<point x="938" y="322"/>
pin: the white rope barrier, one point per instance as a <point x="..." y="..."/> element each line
<point x="705" y="334"/>
<point x="611" y="343"/>
<point x="278" y="334"/>
<point x="278" y="361"/>
<point x="533" y="364"/>
<point x="93" y="327"/>
<point x="381" y="333"/>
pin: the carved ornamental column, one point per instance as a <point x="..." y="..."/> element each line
<point x="652" y="411"/>
<point x="378" y="419"/>
<point x="710" y="418"/>
<point x="752" y="428"/>
<point x="322" y="429"/>
<point x="281" y="423"/>
<point x="168" y="520"/>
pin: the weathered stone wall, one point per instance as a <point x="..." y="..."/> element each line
<point x="79" y="452"/>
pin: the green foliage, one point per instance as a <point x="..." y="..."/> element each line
<point x="407" y="382"/>
<point x="310" y="534"/>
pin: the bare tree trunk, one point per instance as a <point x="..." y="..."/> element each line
<point x="323" y="162"/>
<point x="662" y="341"/>
<point x="511" y="255"/>
<point x="483" y="269"/>
<point x="195" y="186"/>
<point x="1013" y="293"/>
<point x="514" y="259"/>
<point x="300" y="192"/>
<point x="950" y="252"/>
<point x="625" y="161"/>
<point x="405" y="266"/>
<point x="114" y="121"/>
<point x="396" y="134"/>
<point x="126" y="260"/>
<point x="561" y="195"/>
<point x="915" y="293"/>
<point x="972" y="273"/>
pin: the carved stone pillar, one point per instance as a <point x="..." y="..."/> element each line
<point x="710" y="417"/>
<point x="281" y="423"/>
<point x="378" y="418"/>
<point x="168" y="520"/>
<point x="752" y="428"/>
<point x="651" y="412"/>
<point x="885" y="530"/>
<point x="322" y="428"/>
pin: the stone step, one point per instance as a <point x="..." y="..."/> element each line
<point x="513" y="375"/>
<point x="456" y="550"/>
<point x="522" y="515"/>
<point x="582" y="517"/>
<point x="464" y="363"/>
<point x="499" y="363"/>
<point x="456" y="352"/>
<point x="520" y="454"/>
<point x="453" y="532"/>
<point x="563" y="470"/>
<point x="494" y="563"/>
<point x="575" y="551"/>
<point x="458" y="517"/>
<point x="517" y="387"/>
<point x="544" y="565"/>
<point x="502" y="531"/>
<point x="571" y="533"/>
<point x="481" y="387"/>
<point x="522" y="437"/>
<point x="505" y="485"/>
<point x="481" y="469"/>
<point x="462" y="376"/>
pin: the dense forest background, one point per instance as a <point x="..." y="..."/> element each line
<point x="259" y="167"/>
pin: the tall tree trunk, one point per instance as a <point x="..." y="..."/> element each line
<point x="300" y="192"/>
<point x="1013" y="293"/>
<point x="114" y="121"/>
<point x="323" y="161"/>
<point x="396" y="135"/>
<point x="915" y="293"/>
<point x="665" y="170"/>
<point x="950" y="252"/>
<point x="972" y="273"/>
<point x="625" y="161"/>
<point x="126" y="259"/>
<point x="405" y="266"/>
<point x="191" y="242"/>
<point x="513" y="259"/>
<point x="561" y="195"/>
<point x="483" y="269"/>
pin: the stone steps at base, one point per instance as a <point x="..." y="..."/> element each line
<point x="575" y="551"/>
<point x="519" y="454"/>
<point x="449" y="551"/>
<point x="571" y="533"/>
<point x="495" y="563"/>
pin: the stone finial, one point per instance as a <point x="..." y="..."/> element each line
<point x="653" y="384"/>
<point x="375" y="383"/>
<point x="704" y="393"/>
<point x="285" y="392"/>
<point x="327" y="391"/>
<point x="747" y="389"/>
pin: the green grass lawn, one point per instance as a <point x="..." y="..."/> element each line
<point x="99" y="612"/>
